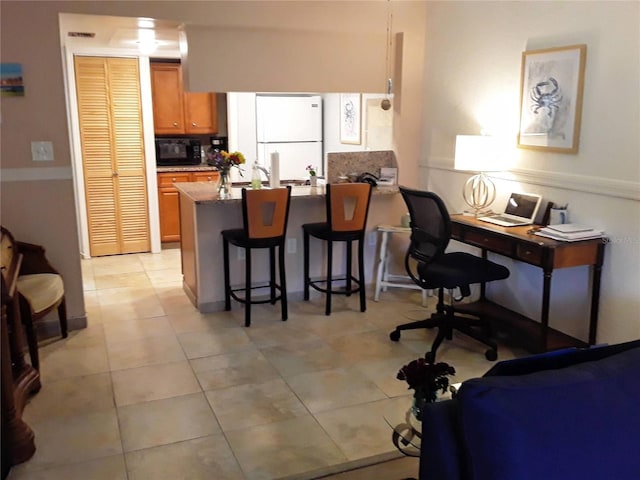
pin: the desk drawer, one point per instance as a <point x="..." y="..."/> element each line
<point x="491" y="242"/>
<point x="529" y="253"/>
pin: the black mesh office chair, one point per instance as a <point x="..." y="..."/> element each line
<point x="431" y="268"/>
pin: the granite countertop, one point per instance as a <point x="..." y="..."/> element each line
<point x="207" y="193"/>
<point x="203" y="167"/>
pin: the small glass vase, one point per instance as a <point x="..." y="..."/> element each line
<point x="313" y="180"/>
<point x="419" y="402"/>
<point x="225" y="183"/>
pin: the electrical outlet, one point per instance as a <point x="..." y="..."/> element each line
<point x="371" y="238"/>
<point x="42" y="151"/>
<point x="292" y="245"/>
<point x="241" y="254"/>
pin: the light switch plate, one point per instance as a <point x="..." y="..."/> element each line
<point x="42" y="151"/>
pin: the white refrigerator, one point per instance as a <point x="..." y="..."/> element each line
<point x="292" y="126"/>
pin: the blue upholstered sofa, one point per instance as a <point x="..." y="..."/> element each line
<point x="570" y="414"/>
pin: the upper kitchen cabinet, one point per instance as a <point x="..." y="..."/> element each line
<point x="177" y="112"/>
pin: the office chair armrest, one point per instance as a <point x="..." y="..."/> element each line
<point x="34" y="259"/>
<point x="411" y="272"/>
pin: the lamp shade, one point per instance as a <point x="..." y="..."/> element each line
<point x="479" y="153"/>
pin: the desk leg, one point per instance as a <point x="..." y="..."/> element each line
<point x="382" y="262"/>
<point x="544" y="320"/>
<point x="595" y="295"/>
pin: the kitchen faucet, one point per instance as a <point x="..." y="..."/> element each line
<point x="266" y="172"/>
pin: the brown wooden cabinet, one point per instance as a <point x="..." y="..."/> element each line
<point x="168" y="200"/>
<point x="176" y="112"/>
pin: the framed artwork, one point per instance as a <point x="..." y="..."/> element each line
<point x="350" y="115"/>
<point x="11" y="83"/>
<point x="551" y="86"/>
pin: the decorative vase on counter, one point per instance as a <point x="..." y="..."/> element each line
<point x="313" y="180"/>
<point x="225" y="182"/>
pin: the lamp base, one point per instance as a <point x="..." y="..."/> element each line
<point x="473" y="212"/>
<point x="479" y="192"/>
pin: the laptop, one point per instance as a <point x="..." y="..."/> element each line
<point x="521" y="210"/>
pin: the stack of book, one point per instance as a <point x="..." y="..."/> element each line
<point x="569" y="232"/>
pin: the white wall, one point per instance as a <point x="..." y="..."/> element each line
<point x="472" y="81"/>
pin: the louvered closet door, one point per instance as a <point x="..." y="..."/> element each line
<point x="110" y="116"/>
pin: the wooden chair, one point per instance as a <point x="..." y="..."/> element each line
<point x="41" y="290"/>
<point x="265" y="215"/>
<point x="347" y="209"/>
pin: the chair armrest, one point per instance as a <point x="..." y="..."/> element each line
<point x="442" y="453"/>
<point x="34" y="259"/>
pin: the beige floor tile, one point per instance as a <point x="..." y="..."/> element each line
<point x="144" y="351"/>
<point x="70" y="396"/>
<point x="125" y="295"/>
<point x="58" y="361"/>
<point x="254" y="404"/>
<point x="367" y="346"/>
<point x="76" y="438"/>
<point x="283" y="448"/>
<point x="281" y="333"/>
<point x="92" y="336"/>
<point x="153" y="382"/>
<point x="204" y="344"/>
<point x="383" y="374"/>
<point x="227" y="370"/>
<point x="205" y="458"/>
<point x="120" y="280"/>
<point x="295" y="358"/>
<point x="166" y="276"/>
<point x="144" y="308"/>
<point x="337" y="324"/>
<point x="171" y="420"/>
<point x="168" y="258"/>
<point x="107" y="468"/>
<point x="193" y="321"/>
<point x="136" y="329"/>
<point x="361" y="430"/>
<point x="115" y="264"/>
<point x="330" y="389"/>
<point x="173" y="299"/>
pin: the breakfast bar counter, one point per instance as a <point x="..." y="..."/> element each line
<point x="204" y="214"/>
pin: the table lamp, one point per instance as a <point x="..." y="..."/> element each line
<point x="479" y="153"/>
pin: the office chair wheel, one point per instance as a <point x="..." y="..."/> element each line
<point x="491" y="355"/>
<point x="395" y="335"/>
<point x="430" y="357"/>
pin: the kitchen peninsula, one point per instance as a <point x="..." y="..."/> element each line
<point x="203" y="215"/>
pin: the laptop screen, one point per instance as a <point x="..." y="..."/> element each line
<point x="522" y="205"/>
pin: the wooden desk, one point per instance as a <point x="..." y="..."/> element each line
<point x="517" y="243"/>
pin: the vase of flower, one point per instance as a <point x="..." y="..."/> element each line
<point x="223" y="161"/>
<point x="426" y="379"/>
<point x="417" y="407"/>
<point x="225" y="182"/>
<point x="313" y="177"/>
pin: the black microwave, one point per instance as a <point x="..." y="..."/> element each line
<point x="178" y="151"/>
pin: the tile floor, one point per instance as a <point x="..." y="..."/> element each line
<point x="154" y="389"/>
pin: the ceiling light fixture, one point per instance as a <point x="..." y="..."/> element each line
<point x="386" y="102"/>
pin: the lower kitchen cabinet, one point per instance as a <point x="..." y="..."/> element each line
<point x="168" y="200"/>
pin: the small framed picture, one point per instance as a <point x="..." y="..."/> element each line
<point x="551" y="88"/>
<point x="11" y="84"/>
<point x="350" y="114"/>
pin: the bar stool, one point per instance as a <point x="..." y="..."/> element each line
<point x="265" y="214"/>
<point x="385" y="279"/>
<point x="347" y="209"/>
